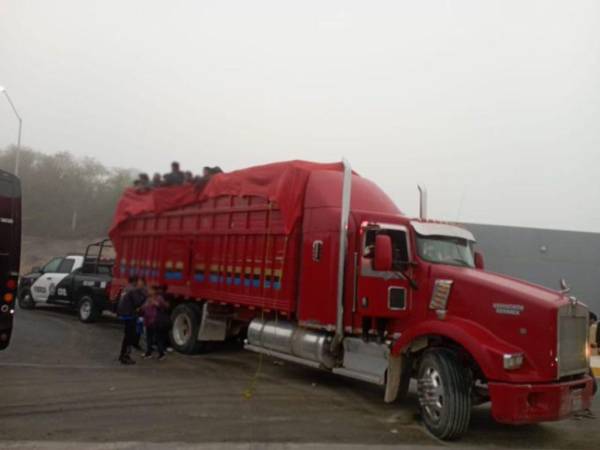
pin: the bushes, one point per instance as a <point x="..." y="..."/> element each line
<point x="64" y="196"/>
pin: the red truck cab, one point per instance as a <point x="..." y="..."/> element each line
<point x="318" y="266"/>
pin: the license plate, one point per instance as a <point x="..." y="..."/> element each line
<point x="577" y="400"/>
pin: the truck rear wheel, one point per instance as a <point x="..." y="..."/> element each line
<point x="444" y="394"/>
<point x="87" y="309"/>
<point x="185" y="321"/>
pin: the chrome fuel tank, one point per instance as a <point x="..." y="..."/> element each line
<point x="286" y="337"/>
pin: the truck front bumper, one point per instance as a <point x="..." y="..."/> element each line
<point x="530" y="403"/>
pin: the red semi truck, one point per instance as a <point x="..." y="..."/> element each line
<point x="316" y="265"/>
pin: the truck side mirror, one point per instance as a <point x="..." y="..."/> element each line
<point x="479" y="261"/>
<point x="383" y="253"/>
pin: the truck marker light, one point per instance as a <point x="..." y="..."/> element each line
<point x="8" y="297"/>
<point x="11" y="284"/>
<point x="512" y="361"/>
<point x="441" y="293"/>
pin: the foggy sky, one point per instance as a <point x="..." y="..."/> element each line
<point x="494" y="106"/>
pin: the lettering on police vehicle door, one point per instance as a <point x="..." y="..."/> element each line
<point x="88" y="283"/>
<point x="62" y="292"/>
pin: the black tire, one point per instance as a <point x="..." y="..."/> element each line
<point x="185" y="323"/>
<point x="87" y="309"/>
<point x="444" y="390"/>
<point x="25" y="299"/>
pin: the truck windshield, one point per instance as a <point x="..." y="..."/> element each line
<point x="446" y="250"/>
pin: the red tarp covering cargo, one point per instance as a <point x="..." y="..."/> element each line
<point x="282" y="182"/>
<point x="236" y="241"/>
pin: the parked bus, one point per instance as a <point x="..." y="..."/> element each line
<point x="10" y="251"/>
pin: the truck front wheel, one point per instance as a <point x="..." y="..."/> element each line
<point x="185" y="321"/>
<point x="87" y="309"/>
<point x="444" y="394"/>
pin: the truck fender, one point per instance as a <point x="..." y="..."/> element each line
<point x="485" y="348"/>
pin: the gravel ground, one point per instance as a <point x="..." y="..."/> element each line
<point x="62" y="387"/>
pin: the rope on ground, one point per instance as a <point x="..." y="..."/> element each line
<point x="248" y="393"/>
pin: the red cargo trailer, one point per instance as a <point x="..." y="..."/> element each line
<point x="318" y="266"/>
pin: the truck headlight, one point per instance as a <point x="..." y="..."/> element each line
<point x="512" y="361"/>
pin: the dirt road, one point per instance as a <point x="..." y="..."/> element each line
<point x="61" y="382"/>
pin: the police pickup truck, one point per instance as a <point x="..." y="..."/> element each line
<point x="79" y="282"/>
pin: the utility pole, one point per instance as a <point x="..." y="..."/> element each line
<point x="18" y="152"/>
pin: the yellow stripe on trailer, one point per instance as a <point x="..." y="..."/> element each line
<point x="595" y="363"/>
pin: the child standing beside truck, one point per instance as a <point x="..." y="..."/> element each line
<point x="156" y="320"/>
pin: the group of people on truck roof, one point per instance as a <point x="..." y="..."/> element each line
<point x="176" y="177"/>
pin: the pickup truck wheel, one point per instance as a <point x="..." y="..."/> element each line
<point x="87" y="309"/>
<point x="26" y="300"/>
<point x="185" y="321"/>
<point x="444" y="394"/>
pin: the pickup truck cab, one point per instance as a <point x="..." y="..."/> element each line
<point x="79" y="282"/>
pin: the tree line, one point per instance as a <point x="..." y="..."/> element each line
<point x="66" y="196"/>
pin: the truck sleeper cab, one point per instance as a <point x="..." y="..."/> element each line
<point x="266" y="251"/>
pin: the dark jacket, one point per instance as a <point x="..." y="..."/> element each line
<point x="174" y="178"/>
<point x="130" y="301"/>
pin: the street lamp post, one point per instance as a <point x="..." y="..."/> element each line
<point x="3" y="89"/>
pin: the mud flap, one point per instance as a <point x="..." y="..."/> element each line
<point x="392" y="379"/>
<point x="214" y="323"/>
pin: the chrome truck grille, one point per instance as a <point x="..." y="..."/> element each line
<point x="572" y="340"/>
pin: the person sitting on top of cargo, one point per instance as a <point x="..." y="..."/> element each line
<point x="157" y="180"/>
<point x="175" y="177"/>
<point x="188" y="177"/>
<point x="142" y="184"/>
<point x="201" y="181"/>
<point x="215" y="170"/>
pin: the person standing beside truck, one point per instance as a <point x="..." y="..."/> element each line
<point x="133" y="297"/>
<point x="156" y="320"/>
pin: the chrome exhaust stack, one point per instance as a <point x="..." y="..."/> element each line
<point x="422" y="202"/>
<point x="343" y="250"/>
